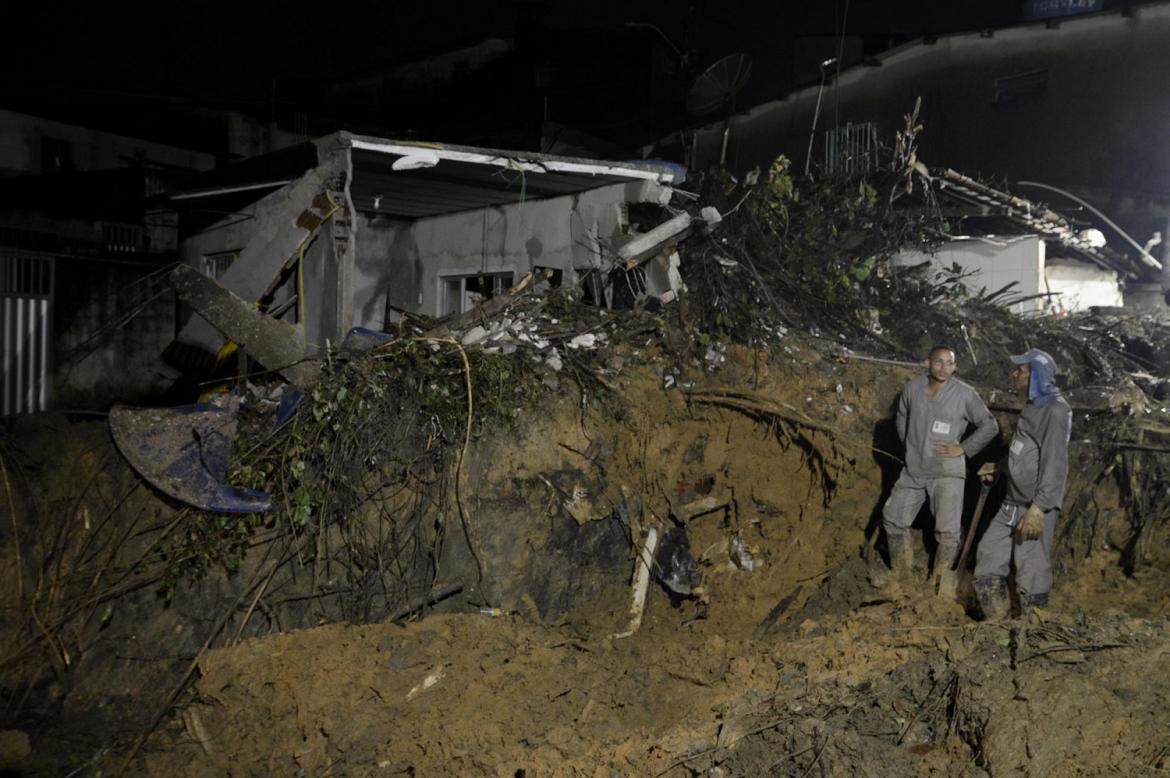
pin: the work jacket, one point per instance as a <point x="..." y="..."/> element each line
<point x="1038" y="456"/>
<point x="925" y="421"/>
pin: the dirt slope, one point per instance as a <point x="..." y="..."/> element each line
<point x="796" y="666"/>
<point x="844" y="681"/>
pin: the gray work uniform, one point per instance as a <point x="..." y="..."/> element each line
<point x="923" y="422"/>
<point x="1037" y="471"/>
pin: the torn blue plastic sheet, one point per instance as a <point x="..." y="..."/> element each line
<point x="290" y="399"/>
<point x="184" y="453"/>
<point x="363" y="339"/>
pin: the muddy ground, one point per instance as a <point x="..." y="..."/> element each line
<point x="793" y="665"/>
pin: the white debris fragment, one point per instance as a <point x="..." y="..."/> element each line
<point x="741" y="555"/>
<point x="474" y="335"/>
<point x="553" y="360"/>
<point x="433" y="678"/>
<point x="716" y="355"/>
<point x="586" y="340"/>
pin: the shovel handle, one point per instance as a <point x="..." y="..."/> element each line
<point x="984" y="490"/>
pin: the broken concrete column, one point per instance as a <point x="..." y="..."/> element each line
<point x="274" y="344"/>
<point x="282" y="221"/>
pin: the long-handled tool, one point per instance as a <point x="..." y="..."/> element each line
<point x="976" y="517"/>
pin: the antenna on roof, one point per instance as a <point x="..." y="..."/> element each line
<point x="716" y="87"/>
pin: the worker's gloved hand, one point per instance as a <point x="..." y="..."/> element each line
<point x="1032" y="524"/>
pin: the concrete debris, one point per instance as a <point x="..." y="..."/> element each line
<point x="476" y="334"/>
<point x="587" y="340"/>
<point x="275" y="344"/>
<point x="553" y="360"/>
<point x="715" y="357"/>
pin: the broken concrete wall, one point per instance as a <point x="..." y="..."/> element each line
<point x="406" y="263"/>
<point x="994" y="263"/>
<point x="266" y="235"/>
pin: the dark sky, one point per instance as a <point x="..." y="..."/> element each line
<point x="233" y="51"/>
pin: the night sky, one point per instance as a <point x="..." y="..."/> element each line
<point x="231" y="53"/>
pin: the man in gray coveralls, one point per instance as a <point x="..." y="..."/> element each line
<point x="934" y="412"/>
<point x="1037" y="468"/>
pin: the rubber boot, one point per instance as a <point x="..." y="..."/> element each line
<point x="901" y="558"/>
<point x="946" y="578"/>
<point x="900" y="571"/>
<point x="993" y="598"/>
<point x="1032" y="607"/>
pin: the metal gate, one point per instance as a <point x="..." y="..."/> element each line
<point x="26" y="291"/>
<point x="851" y="150"/>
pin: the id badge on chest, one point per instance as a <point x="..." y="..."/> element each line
<point x="940" y="427"/>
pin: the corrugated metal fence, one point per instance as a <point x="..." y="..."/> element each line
<point x="26" y="289"/>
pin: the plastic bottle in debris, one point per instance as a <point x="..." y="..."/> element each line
<point x="493" y="612"/>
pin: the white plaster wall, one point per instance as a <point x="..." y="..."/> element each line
<point x="1082" y="286"/>
<point x="405" y="262"/>
<point x="994" y="265"/>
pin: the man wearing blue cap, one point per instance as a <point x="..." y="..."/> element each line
<point x="934" y="412"/>
<point x="1037" y="468"/>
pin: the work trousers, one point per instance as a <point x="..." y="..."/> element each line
<point x="946" y="503"/>
<point x="1001" y="545"/>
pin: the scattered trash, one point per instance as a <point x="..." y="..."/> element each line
<point x="433" y="678"/>
<point x="493" y="612"/>
<point x="716" y="355"/>
<point x="711" y="216"/>
<point x="741" y="554"/>
<point x="675" y="563"/>
<point x="642" y="565"/>
<point x="360" y="339"/>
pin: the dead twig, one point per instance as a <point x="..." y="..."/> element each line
<point x="467" y="530"/>
<point x="739" y="399"/>
<point x="420" y="602"/>
<point x="1070" y="647"/>
<point x="15" y="534"/>
<point x="169" y="700"/>
<point x="816" y="758"/>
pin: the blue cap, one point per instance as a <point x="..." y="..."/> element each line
<point x="1035" y="356"/>
<point x="1042" y="383"/>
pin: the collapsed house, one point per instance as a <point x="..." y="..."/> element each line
<point x="351" y="231"/>
<point x="1031" y="258"/>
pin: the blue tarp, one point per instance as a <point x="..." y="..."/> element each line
<point x="184" y="453"/>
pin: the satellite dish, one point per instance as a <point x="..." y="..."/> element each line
<point x="716" y="87"/>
